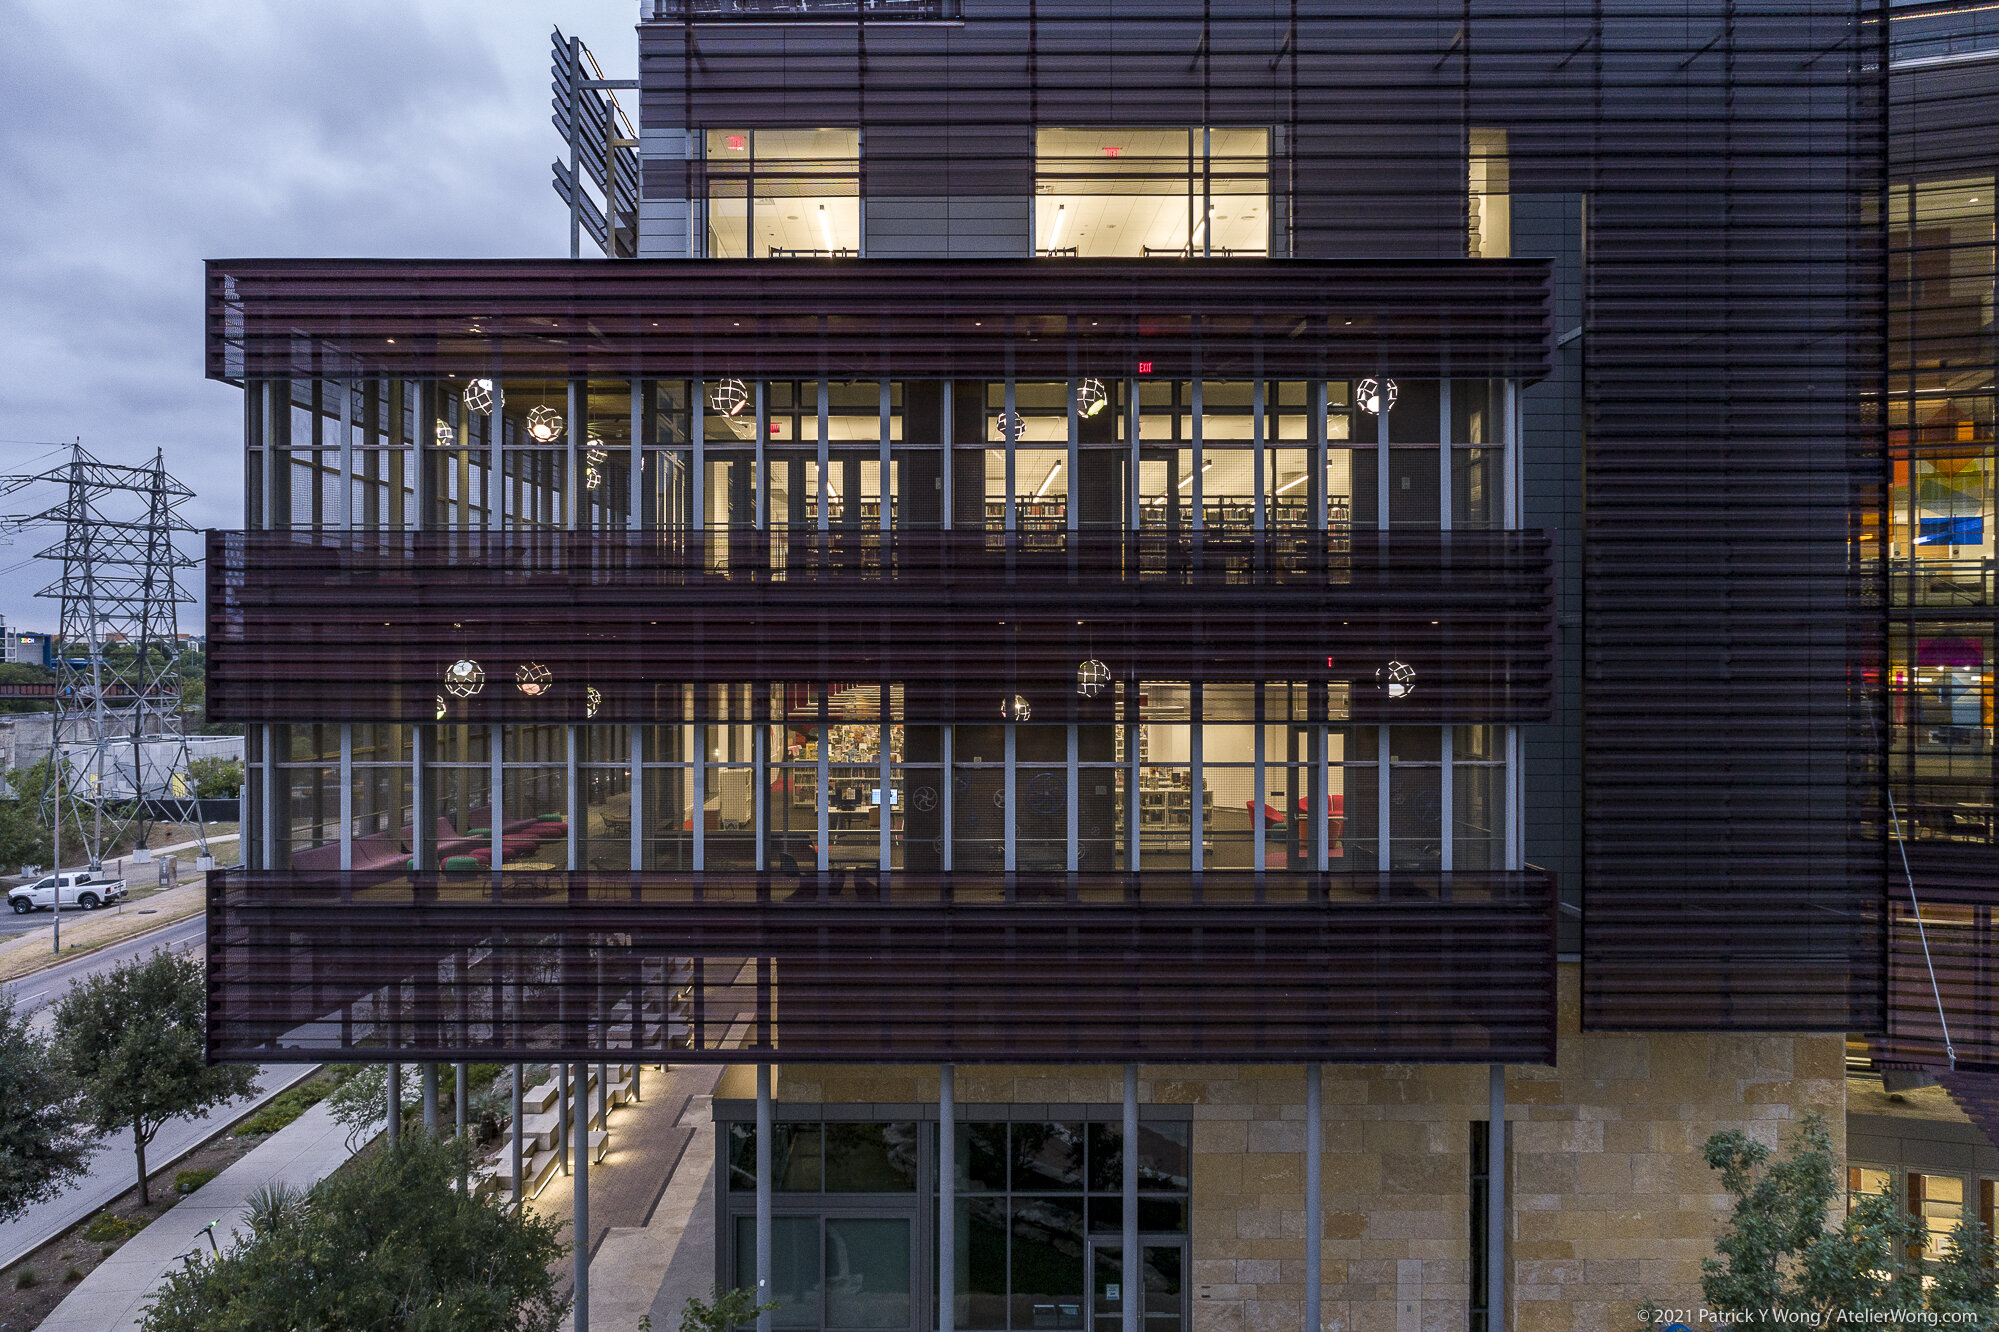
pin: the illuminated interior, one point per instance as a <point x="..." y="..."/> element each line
<point x="1151" y="193"/>
<point x="783" y="194"/>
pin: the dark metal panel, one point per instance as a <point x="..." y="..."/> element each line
<point x="1222" y="967"/>
<point x="865" y="318"/>
<point x="362" y="626"/>
<point x="1732" y="879"/>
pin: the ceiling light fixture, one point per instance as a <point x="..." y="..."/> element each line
<point x="544" y="424"/>
<point x="1055" y="232"/>
<point x="825" y="228"/>
<point x="1091" y="396"/>
<point x="479" y="396"/>
<point x="1048" y="480"/>
<point x="729" y="397"/>
<point x="1375" y="397"/>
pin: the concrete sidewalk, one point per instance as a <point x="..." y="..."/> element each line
<point x="112" y="1170"/>
<point x="677" y="1240"/>
<point x="113" y="1298"/>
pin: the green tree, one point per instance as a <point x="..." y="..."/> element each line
<point x="134" y="1041"/>
<point x="388" y="1244"/>
<point x="16" y="673"/>
<point x="42" y="1146"/>
<point x="1787" y="1252"/>
<point x="216" y="778"/>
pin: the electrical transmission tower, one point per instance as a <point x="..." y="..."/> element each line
<point x="119" y="750"/>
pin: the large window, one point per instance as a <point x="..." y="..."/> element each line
<point x="783" y="193"/>
<point x="1132" y="192"/>
<point x="1039" y="1215"/>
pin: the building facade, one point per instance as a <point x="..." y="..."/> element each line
<point x="1263" y="660"/>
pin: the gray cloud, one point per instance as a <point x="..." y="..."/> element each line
<point x="138" y="139"/>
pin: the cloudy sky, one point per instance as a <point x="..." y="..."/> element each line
<point x="140" y="137"/>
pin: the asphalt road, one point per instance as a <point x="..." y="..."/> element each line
<point x="39" y="990"/>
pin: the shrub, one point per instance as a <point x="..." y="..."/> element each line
<point x="107" y="1228"/>
<point x="187" y="1181"/>
<point x="283" y="1108"/>
<point x="72" y="1276"/>
<point x="27" y="1279"/>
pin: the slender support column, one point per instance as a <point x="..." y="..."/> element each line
<point x="1008" y="862"/>
<point x="573" y="844"/>
<point x="1495" y="1204"/>
<point x="460" y="1089"/>
<point x="1258" y="518"/>
<point x="1131" y="1296"/>
<point x="604" y="1096"/>
<point x="1445" y="502"/>
<point x="575" y="431"/>
<point x="1197" y="822"/>
<point x="760" y="483"/>
<point x="1072" y="835"/>
<point x="945" y="480"/>
<point x="580" y="1231"/>
<point x="635" y="454"/>
<point x="1198" y="456"/>
<point x="496" y="750"/>
<point x="759" y="792"/>
<point x="947" y="1197"/>
<point x="947" y="778"/>
<point x="823" y="798"/>
<point x="1447" y="816"/>
<point x="697" y="481"/>
<point x="764" y="1132"/>
<point x="884" y="779"/>
<point x="520" y="1179"/>
<point x="697" y="776"/>
<point x="346" y="795"/>
<point x="825" y="473"/>
<point x="1381" y="487"/>
<point x="638" y="781"/>
<point x="562" y="1117"/>
<point x="1258" y="853"/>
<point x="395" y="1104"/>
<point x="1382" y="831"/>
<point x="1007" y="423"/>
<point x="1315" y="1223"/>
<point x="430" y="1098"/>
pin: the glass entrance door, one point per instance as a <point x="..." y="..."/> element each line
<point x="1162" y="1265"/>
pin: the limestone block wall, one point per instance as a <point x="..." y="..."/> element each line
<point x="1610" y="1201"/>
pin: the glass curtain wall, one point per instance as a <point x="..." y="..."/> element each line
<point x="1939" y="531"/>
<point x="748" y="786"/>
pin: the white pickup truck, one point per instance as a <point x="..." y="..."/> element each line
<point x="88" y="889"/>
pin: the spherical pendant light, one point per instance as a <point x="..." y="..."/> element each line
<point x="545" y="424"/>
<point x="592" y="700"/>
<point x="1016" y="709"/>
<point x="1091" y="678"/>
<point x="443" y="708"/>
<point x="1376" y="397"/>
<point x="464" y="678"/>
<point x="1011" y="426"/>
<point x="479" y="397"/>
<point x="446" y="436"/>
<point x="1398" y="680"/>
<point x="1091" y="397"/>
<point x="729" y="397"/>
<point x="534" y="679"/>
